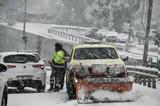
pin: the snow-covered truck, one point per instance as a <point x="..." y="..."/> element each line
<point x="95" y="67"/>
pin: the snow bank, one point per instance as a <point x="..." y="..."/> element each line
<point x="114" y="96"/>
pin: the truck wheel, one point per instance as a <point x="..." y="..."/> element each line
<point x="42" y="88"/>
<point x="71" y="91"/>
<point x="4" y="102"/>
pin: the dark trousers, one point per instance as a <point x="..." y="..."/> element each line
<point x="57" y="77"/>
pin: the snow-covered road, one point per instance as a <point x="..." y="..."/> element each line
<point x="148" y="97"/>
<point x="35" y="99"/>
<point x="145" y="97"/>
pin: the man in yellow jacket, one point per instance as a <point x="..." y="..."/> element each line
<point x="57" y="68"/>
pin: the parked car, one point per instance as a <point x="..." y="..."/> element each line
<point x="3" y="86"/>
<point x="24" y="70"/>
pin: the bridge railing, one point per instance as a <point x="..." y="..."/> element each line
<point x="68" y="36"/>
<point x="71" y="28"/>
<point x="143" y="76"/>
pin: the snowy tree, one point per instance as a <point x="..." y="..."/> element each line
<point x="114" y="13"/>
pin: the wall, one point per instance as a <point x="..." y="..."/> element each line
<point x="11" y="40"/>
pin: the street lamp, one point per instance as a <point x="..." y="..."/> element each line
<point x="24" y="37"/>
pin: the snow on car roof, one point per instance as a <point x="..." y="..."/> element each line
<point x="14" y="53"/>
<point x="93" y="45"/>
<point x="108" y="33"/>
<point x="105" y="32"/>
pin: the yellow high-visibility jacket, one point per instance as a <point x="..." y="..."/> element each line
<point x="58" y="57"/>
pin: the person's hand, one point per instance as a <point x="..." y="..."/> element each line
<point x="49" y="61"/>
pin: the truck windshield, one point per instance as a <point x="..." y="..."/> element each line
<point x="95" y="53"/>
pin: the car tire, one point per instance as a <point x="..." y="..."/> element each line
<point x="40" y="87"/>
<point x="71" y="90"/>
<point x="5" y="98"/>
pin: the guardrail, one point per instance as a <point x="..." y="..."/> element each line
<point x="68" y="36"/>
<point x="144" y="76"/>
<point x="71" y="29"/>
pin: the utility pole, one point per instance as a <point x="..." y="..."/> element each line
<point x="145" y="54"/>
<point x="142" y="17"/>
<point x="24" y="37"/>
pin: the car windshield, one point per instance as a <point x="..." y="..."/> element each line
<point x="21" y="58"/>
<point x="95" y="53"/>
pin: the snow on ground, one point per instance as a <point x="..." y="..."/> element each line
<point x="42" y="99"/>
<point x="144" y="68"/>
<point x="130" y="55"/>
<point x="144" y="97"/>
<point x="140" y="52"/>
<point x="137" y="53"/>
<point x="108" y="33"/>
<point x="40" y="30"/>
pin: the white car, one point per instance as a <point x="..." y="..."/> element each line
<point x="3" y="86"/>
<point x="24" y="70"/>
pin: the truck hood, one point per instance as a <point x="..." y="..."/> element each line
<point x="97" y="61"/>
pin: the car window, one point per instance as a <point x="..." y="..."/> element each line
<point x="20" y="58"/>
<point x="95" y="53"/>
<point x="38" y="57"/>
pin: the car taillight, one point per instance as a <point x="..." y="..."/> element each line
<point x="41" y="66"/>
<point x="11" y="66"/>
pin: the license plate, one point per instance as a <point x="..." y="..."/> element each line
<point x="24" y="77"/>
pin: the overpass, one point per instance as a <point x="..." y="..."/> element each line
<point x="41" y="37"/>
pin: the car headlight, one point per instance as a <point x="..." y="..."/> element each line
<point x="80" y="70"/>
<point x="117" y="70"/>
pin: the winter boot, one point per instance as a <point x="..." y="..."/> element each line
<point x="61" y="87"/>
<point x="56" y="89"/>
<point x="50" y="89"/>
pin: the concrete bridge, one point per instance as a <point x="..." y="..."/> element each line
<point x="40" y="37"/>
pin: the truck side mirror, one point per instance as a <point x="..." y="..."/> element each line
<point x="67" y="59"/>
<point x="3" y="68"/>
<point x="124" y="58"/>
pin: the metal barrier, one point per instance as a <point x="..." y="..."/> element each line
<point x="68" y="36"/>
<point x="71" y="29"/>
<point x="144" y="76"/>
